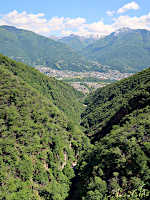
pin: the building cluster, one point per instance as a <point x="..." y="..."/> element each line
<point x="110" y="74"/>
<point x="85" y="87"/>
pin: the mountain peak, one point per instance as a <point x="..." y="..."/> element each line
<point x="53" y="37"/>
<point x="122" y="30"/>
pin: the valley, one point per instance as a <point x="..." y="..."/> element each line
<point x="74" y="123"/>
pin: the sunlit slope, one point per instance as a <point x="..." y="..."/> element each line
<point x="62" y="95"/>
<point x="117" y="119"/>
<point x="36" y="50"/>
<point x="126" y="51"/>
<point x="107" y="106"/>
<point x="118" y="164"/>
<point x="38" y="143"/>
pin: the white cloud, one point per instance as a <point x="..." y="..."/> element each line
<point x="110" y="13"/>
<point x="74" y="23"/>
<point x="142" y="22"/>
<point x="129" y="6"/>
<point x="100" y="28"/>
<point x="55" y="23"/>
<point x="66" y="26"/>
<point x="39" y="24"/>
<point x="23" y="20"/>
<point x="66" y="33"/>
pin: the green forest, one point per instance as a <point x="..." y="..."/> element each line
<point x="127" y="52"/>
<point x="36" y="50"/>
<point x="57" y="144"/>
<point x="64" y="96"/>
<point x="38" y="141"/>
<point x="117" y="122"/>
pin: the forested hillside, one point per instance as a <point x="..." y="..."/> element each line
<point x="126" y="50"/>
<point x="36" y="50"/>
<point x="41" y="143"/>
<point x="107" y="106"/>
<point x="118" y="165"/>
<point x="38" y="143"/>
<point x="60" y="93"/>
<point x="117" y="119"/>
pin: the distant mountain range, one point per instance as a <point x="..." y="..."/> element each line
<point x="77" y="42"/>
<point x="83" y="38"/>
<point x="127" y="50"/>
<point x="37" y="50"/>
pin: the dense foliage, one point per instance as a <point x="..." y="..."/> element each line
<point x="106" y="106"/>
<point x="38" y="144"/>
<point x="34" y="50"/>
<point x="62" y="95"/>
<point x="126" y="52"/>
<point x="117" y="165"/>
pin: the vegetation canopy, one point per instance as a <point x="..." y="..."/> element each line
<point x="38" y="143"/>
<point x="54" y="147"/>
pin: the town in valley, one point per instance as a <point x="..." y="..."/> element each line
<point x="86" y="81"/>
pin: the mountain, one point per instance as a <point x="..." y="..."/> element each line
<point x="64" y="96"/>
<point x="78" y="42"/>
<point x="35" y="50"/>
<point x="123" y="31"/>
<point x="53" y="37"/>
<point x="45" y="155"/>
<point x="117" y="119"/>
<point x="108" y="105"/>
<point x="127" y="50"/>
<point x="74" y="41"/>
<point x="38" y="143"/>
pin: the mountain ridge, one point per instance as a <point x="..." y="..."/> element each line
<point x="79" y="42"/>
<point x="40" y="145"/>
<point x="43" y="149"/>
<point x="34" y="50"/>
<point x="127" y="50"/>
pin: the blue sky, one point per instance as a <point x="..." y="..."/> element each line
<point x="82" y="17"/>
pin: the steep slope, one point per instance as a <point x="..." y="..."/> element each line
<point x="33" y="49"/>
<point x="107" y="106"/>
<point x="126" y="50"/>
<point x="118" y="164"/>
<point x="60" y="93"/>
<point x="38" y="144"/>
